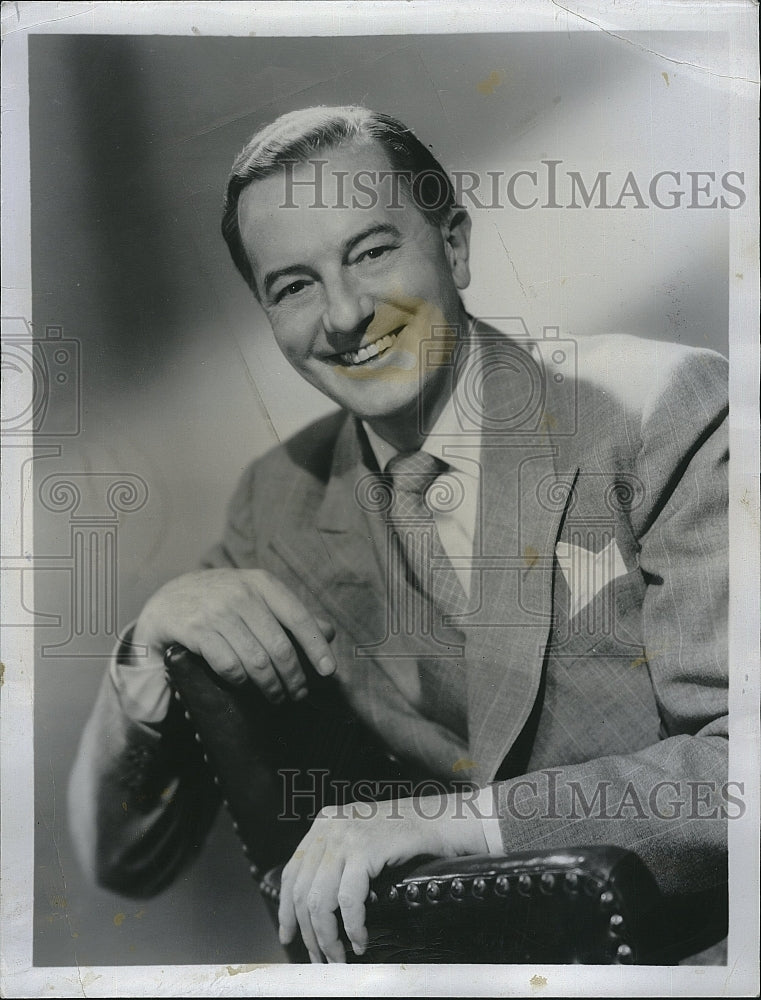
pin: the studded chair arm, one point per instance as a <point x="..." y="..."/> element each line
<point x="591" y="905"/>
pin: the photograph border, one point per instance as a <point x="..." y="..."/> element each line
<point x="737" y="74"/>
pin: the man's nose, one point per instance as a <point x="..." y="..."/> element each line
<point x="348" y="309"/>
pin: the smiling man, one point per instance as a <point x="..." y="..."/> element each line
<point x="575" y="572"/>
<point x="353" y="298"/>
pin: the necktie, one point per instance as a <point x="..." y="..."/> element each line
<point x="421" y="555"/>
<point x="412" y="516"/>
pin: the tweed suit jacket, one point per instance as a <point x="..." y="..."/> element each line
<point x="599" y="722"/>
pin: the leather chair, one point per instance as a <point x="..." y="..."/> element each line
<point x="591" y="905"/>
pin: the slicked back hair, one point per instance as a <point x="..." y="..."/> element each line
<point x="299" y="135"/>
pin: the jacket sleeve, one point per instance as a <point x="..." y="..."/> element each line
<point x="668" y="802"/>
<point x="140" y="800"/>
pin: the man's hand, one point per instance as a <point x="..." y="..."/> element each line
<point x="347" y="846"/>
<point x="237" y="620"/>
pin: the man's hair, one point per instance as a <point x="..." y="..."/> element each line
<point x="296" y="136"/>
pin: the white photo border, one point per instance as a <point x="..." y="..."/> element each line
<point x="737" y="74"/>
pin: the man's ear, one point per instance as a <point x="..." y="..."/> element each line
<point x="456" y="233"/>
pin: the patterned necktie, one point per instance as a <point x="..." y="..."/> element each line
<point x="411" y="515"/>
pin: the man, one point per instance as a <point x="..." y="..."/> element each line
<point x="575" y="668"/>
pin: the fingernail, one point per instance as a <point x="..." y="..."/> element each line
<point x="284" y="938"/>
<point x="300" y="694"/>
<point x="359" y="949"/>
<point x="326" y="665"/>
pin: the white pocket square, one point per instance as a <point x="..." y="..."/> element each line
<point x="587" y="572"/>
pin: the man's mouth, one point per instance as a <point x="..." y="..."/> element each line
<point x="370" y="351"/>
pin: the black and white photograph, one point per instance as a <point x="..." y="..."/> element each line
<point x="380" y="602"/>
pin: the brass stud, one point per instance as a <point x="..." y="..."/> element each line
<point x="524" y="884"/>
<point x="616" y="922"/>
<point x="571" y="882"/>
<point x="547" y="882"/>
<point x="413" y="892"/>
<point x="624" y="953"/>
<point x="393" y="893"/>
<point x="606" y="898"/>
<point x="457" y="889"/>
<point x="502" y="885"/>
<point x="433" y="890"/>
<point x="479" y="887"/>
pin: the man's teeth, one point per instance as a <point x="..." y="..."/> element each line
<point x="371" y="351"/>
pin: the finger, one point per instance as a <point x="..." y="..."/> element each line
<point x="322" y="903"/>
<point x="275" y="677"/>
<point x="301" y="908"/>
<point x="221" y="657"/>
<point x="286" y="914"/>
<point x="240" y="656"/>
<point x="293" y="914"/>
<point x="327" y="629"/>
<point x="352" y="893"/>
<point x="305" y="628"/>
<point x="269" y="633"/>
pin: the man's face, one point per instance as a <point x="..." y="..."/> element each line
<point x="351" y="292"/>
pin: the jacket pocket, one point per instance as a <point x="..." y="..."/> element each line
<point x="609" y="625"/>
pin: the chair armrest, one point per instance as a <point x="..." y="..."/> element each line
<point x="590" y="905"/>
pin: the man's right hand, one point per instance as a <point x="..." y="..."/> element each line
<point x="236" y="619"/>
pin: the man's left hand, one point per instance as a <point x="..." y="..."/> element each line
<point x="349" y="845"/>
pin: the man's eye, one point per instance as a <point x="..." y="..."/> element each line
<point x="373" y="253"/>
<point x="293" y="289"/>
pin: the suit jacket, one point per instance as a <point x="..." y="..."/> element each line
<point x="608" y="725"/>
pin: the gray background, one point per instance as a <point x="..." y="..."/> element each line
<point x="131" y="140"/>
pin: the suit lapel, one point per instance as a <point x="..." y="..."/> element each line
<point x="524" y="493"/>
<point x="332" y="551"/>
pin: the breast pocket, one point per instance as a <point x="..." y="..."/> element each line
<point x="608" y="625"/>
